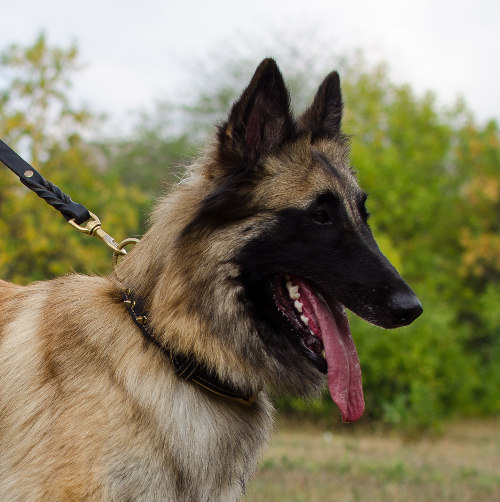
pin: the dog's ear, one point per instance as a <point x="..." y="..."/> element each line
<point x="260" y="120"/>
<point x="323" y="118"/>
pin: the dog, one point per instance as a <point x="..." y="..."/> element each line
<point x="151" y="384"/>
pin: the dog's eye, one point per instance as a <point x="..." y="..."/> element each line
<point x="321" y="217"/>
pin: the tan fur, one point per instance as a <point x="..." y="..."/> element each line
<point x="90" y="411"/>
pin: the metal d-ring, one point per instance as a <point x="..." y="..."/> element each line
<point x="121" y="248"/>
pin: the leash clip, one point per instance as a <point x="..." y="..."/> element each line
<point x="93" y="227"/>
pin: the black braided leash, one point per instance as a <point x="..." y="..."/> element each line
<point x="75" y="214"/>
<point x="46" y="190"/>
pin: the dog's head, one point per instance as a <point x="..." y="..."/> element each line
<point x="283" y="237"/>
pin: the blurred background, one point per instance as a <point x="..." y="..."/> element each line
<point x="110" y="100"/>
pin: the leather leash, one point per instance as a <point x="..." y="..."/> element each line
<point x="75" y="214"/>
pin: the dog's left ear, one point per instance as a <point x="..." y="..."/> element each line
<point x="323" y="118"/>
<point x="260" y="120"/>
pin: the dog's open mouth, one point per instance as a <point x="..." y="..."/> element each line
<point x="325" y="338"/>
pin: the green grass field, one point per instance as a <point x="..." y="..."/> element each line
<point x="312" y="464"/>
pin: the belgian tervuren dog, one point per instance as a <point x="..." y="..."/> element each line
<point x="152" y="384"/>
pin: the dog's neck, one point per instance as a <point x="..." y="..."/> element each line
<point x="185" y="366"/>
<point x="176" y="283"/>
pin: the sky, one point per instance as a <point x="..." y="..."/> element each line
<point x="134" y="52"/>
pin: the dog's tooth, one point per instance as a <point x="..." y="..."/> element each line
<point x="293" y="291"/>
<point x="298" y="306"/>
<point x="323" y="353"/>
<point x="305" y="320"/>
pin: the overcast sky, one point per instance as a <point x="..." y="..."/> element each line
<point x="134" y="51"/>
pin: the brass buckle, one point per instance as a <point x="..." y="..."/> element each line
<point x="93" y="227"/>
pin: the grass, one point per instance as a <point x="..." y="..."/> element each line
<point x="311" y="464"/>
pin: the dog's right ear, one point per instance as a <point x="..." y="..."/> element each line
<point x="259" y="121"/>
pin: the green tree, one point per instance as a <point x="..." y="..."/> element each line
<point x="34" y="103"/>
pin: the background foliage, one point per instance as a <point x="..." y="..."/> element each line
<point x="38" y="120"/>
<point x="434" y="184"/>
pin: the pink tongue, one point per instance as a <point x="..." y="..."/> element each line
<point x="344" y="370"/>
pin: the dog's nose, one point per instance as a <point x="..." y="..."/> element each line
<point x="405" y="308"/>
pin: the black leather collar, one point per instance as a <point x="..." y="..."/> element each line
<point x="185" y="367"/>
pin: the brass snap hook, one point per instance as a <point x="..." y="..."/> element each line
<point x="93" y="227"/>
